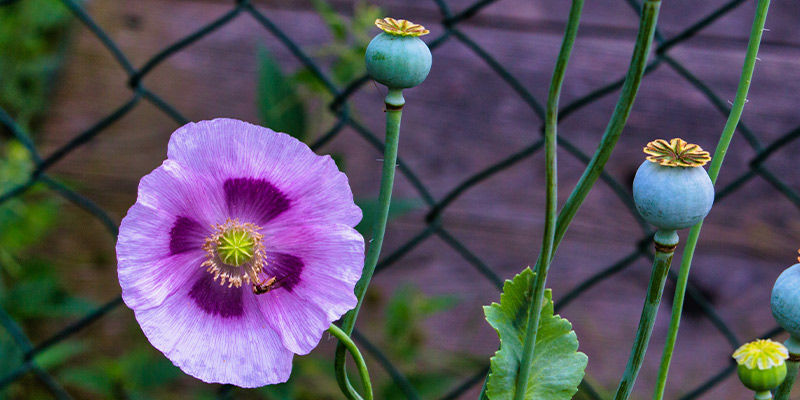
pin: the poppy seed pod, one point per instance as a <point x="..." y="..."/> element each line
<point x="785" y="300"/>
<point x="761" y="364"/>
<point x="397" y="57"/>
<point x="761" y="379"/>
<point x="671" y="189"/>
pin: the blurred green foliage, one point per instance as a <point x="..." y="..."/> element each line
<point x="280" y="106"/>
<point x="139" y="373"/>
<point x="32" y="294"/>
<point x="31" y="43"/>
<point x="30" y="289"/>
<point x="296" y="103"/>
<point x="32" y="37"/>
<point x="401" y="337"/>
<point x="404" y="315"/>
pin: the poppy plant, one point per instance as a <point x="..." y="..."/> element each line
<point x="239" y="252"/>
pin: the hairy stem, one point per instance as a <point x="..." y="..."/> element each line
<point x="785" y="389"/>
<point x="394" y="106"/>
<point x="665" y="242"/>
<point x="619" y="118"/>
<point x="595" y="167"/>
<point x="713" y="172"/>
<point x="551" y="202"/>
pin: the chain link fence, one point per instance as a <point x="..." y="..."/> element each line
<point x="436" y="207"/>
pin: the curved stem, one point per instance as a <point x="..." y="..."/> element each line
<point x="617" y="122"/>
<point x="345" y="340"/>
<point x="619" y="118"/>
<point x="792" y="366"/>
<point x="713" y="172"/>
<point x="551" y="202"/>
<point x="394" y="107"/>
<point x="665" y="242"/>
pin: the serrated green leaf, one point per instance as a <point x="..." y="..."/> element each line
<point x="279" y="104"/>
<point x="557" y="366"/>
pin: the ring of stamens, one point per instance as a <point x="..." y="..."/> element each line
<point x="235" y="253"/>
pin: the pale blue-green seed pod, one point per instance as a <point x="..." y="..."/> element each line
<point x="397" y="57"/>
<point x="671" y="189"/>
<point x="785" y="300"/>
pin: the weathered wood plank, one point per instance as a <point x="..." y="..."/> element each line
<point x="607" y="17"/>
<point x="463" y="119"/>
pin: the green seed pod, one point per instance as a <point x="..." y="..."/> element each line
<point x="761" y="364"/>
<point x="762" y="379"/>
<point x="397" y="57"/>
<point x="671" y="189"/>
<point x="785" y="300"/>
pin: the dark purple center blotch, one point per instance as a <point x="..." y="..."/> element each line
<point x="186" y="234"/>
<point x="216" y="299"/>
<point x="286" y="269"/>
<point x="257" y="199"/>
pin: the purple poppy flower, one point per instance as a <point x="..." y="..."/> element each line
<point x="239" y="252"/>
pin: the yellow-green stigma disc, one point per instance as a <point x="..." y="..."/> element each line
<point x="236" y="247"/>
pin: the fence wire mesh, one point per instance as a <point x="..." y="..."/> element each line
<point x="434" y="226"/>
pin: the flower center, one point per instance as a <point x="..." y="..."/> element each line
<point x="235" y="253"/>
<point x="236" y="246"/>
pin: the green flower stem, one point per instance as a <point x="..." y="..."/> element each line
<point x="595" y="167"/>
<point x="785" y="389"/>
<point x="713" y="172"/>
<point x="765" y="395"/>
<point x="347" y="342"/>
<point x="551" y="202"/>
<point x="792" y="366"/>
<point x="641" y="50"/>
<point x="394" y="106"/>
<point x="665" y="242"/>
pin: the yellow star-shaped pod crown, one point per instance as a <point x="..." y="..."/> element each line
<point x="761" y="354"/>
<point x="400" y="27"/>
<point x="676" y="153"/>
